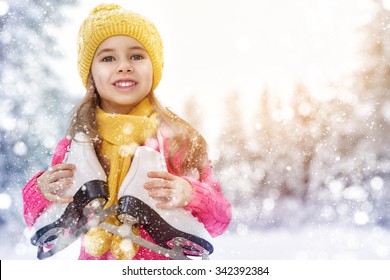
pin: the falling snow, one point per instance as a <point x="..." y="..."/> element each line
<point x="307" y="178"/>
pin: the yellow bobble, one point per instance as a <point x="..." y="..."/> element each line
<point x="124" y="249"/>
<point x="97" y="241"/>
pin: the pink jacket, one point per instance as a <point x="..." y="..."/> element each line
<point x="208" y="203"/>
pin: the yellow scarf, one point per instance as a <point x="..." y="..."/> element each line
<point x="121" y="135"/>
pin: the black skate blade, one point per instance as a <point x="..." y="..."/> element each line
<point x="60" y="242"/>
<point x="73" y="217"/>
<point x="161" y="232"/>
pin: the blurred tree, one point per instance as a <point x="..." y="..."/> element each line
<point x="333" y="155"/>
<point x="353" y="154"/>
<point x="193" y="113"/>
<point x="232" y="164"/>
<point x="34" y="107"/>
<point x="286" y="148"/>
<point x="373" y="90"/>
<point x="373" y="83"/>
<point x="260" y="144"/>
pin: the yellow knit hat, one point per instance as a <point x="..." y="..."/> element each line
<point x="107" y="20"/>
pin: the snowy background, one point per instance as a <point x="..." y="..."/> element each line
<point x="292" y="96"/>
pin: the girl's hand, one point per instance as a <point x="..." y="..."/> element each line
<point x="172" y="191"/>
<point x="54" y="182"/>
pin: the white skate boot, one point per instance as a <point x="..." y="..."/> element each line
<point x="62" y="224"/>
<point x="177" y="232"/>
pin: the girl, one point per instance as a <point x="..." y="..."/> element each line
<point x="120" y="61"/>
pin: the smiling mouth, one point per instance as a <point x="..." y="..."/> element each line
<point x="124" y="84"/>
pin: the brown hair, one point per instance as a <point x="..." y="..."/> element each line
<point x="182" y="136"/>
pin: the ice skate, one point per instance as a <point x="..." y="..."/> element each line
<point x="62" y="224"/>
<point x="177" y="232"/>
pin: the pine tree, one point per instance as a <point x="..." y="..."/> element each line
<point x="373" y="91"/>
<point x="232" y="165"/>
<point x="353" y="153"/>
<point x="373" y="82"/>
<point x="193" y="113"/>
<point x="34" y="107"/>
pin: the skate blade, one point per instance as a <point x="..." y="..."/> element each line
<point x="125" y="231"/>
<point x="188" y="247"/>
<point x="161" y="232"/>
<point x="54" y="237"/>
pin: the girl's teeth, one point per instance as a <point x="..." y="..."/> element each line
<point x="124" y="84"/>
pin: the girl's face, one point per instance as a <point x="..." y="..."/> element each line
<point x="123" y="74"/>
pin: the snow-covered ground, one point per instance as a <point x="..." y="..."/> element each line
<point x="305" y="243"/>
<point x="309" y="242"/>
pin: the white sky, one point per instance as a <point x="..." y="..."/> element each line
<point x="215" y="47"/>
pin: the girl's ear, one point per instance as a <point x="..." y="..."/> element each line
<point x="91" y="82"/>
<point x="92" y="90"/>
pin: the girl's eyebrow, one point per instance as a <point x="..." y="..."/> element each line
<point x="104" y="51"/>
<point x="111" y="50"/>
<point x="137" y="48"/>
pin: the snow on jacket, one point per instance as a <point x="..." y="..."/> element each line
<point x="208" y="204"/>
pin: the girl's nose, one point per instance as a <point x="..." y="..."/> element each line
<point x="125" y="66"/>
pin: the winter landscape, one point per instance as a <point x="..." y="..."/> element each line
<point x="295" y="106"/>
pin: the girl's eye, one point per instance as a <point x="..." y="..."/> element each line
<point x="108" y="59"/>
<point x="136" y="57"/>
